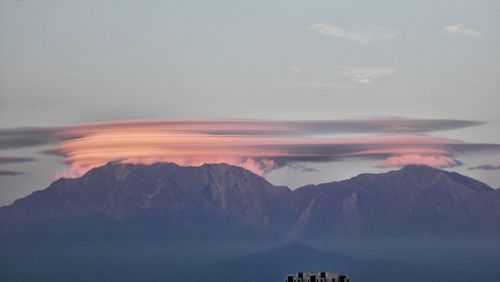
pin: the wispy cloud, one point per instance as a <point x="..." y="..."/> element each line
<point x="363" y="36"/>
<point x="366" y="75"/>
<point x="310" y="84"/>
<point x="462" y="30"/>
<point x="13" y="160"/>
<point x="302" y="168"/>
<point x="9" y="172"/>
<point x="485" y="167"/>
<point x="26" y="137"/>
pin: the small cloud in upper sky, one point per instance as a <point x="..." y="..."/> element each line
<point x="485" y="167"/>
<point x="310" y="84"/>
<point x="295" y="69"/>
<point x="363" y="36"/>
<point x="462" y="30"/>
<point x="366" y="75"/>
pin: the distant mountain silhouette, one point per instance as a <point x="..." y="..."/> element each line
<point x="272" y="264"/>
<point x="217" y="198"/>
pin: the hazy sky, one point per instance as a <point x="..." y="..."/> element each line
<point x="66" y="63"/>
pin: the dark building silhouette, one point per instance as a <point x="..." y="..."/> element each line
<point x="317" y="277"/>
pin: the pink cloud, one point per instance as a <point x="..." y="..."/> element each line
<point x="414" y="159"/>
<point x="259" y="146"/>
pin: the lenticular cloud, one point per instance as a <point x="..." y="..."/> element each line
<point x="259" y="146"/>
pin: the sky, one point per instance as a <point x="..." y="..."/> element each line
<point x="297" y="91"/>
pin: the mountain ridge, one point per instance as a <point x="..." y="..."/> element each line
<point x="413" y="200"/>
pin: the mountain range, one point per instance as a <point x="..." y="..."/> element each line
<point x="215" y="198"/>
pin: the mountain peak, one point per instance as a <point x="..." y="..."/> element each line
<point x="167" y="165"/>
<point x="420" y="168"/>
<point x="423" y="171"/>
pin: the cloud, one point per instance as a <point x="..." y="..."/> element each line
<point x="462" y="30"/>
<point x="310" y="84"/>
<point x="275" y="127"/>
<point x="302" y="168"/>
<point x="16" y="138"/>
<point x="485" y="167"/>
<point x="32" y="137"/>
<point x="258" y="145"/>
<point x="366" y="75"/>
<point x="9" y="173"/>
<point x="295" y="69"/>
<point x="416" y="159"/>
<point x="12" y="160"/>
<point x="258" y="153"/>
<point x="364" y="36"/>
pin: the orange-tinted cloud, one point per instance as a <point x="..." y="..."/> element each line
<point x="259" y="146"/>
<point x="412" y="159"/>
<point x="256" y="145"/>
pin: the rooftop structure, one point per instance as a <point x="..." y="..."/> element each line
<point x="317" y="277"/>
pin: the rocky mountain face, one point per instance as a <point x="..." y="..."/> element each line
<point x="415" y="200"/>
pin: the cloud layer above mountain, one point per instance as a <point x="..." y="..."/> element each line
<point x="258" y="145"/>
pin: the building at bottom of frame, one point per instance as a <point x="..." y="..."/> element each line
<point x="317" y="277"/>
